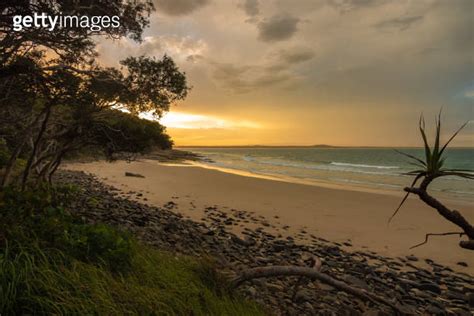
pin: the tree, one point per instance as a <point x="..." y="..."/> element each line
<point x="77" y="112"/>
<point x="54" y="95"/>
<point x="431" y="168"/>
<point x="69" y="44"/>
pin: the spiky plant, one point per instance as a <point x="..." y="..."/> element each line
<point x="432" y="167"/>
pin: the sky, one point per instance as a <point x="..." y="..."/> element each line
<point x="305" y="72"/>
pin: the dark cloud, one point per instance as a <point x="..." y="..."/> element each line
<point x="276" y="70"/>
<point x="278" y="28"/>
<point x="295" y="56"/>
<point x="349" y="5"/>
<point x="251" y="7"/>
<point x="194" y="58"/>
<point x="179" y="7"/>
<point x="400" y="24"/>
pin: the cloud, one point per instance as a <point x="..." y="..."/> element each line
<point x="247" y="78"/>
<point x="401" y="23"/>
<point x="173" y="45"/>
<point x="179" y="48"/>
<point x="179" y="7"/>
<point x="251" y="7"/>
<point x="349" y="5"/>
<point x="469" y="94"/>
<point x="194" y="58"/>
<point x="278" y="28"/>
<point x="295" y="56"/>
<point x="277" y="69"/>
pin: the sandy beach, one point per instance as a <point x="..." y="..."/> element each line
<point x="342" y="215"/>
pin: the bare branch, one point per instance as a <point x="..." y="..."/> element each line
<point x="451" y="215"/>
<point x="274" y="271"/>
<point x="436" y="234"/>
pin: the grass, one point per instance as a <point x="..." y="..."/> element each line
<point x="158" y="283"/>
<point x="50" y="263"/>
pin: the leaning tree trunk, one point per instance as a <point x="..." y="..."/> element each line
<point x="10" y="164"/>
<point x="451" y="215"/>
<point x="19" y="147"/>
<point x="36" y="143"/>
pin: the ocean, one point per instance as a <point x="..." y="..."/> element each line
<point x="374" y="168"/>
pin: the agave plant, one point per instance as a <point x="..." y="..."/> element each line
<point x="432" y="166"/>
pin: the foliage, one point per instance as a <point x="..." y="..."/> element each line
<point x="35" y="282"/>
<point x="152" y="85"/>
<point x="40" y="215"/>
<point x="432" y="166"/>
<point x="123" y="132"/>
<point x="57" y="99"/>
<point x="70" y="44"/>
<point x="4" y="153"/>
<point x="52" y="263"/>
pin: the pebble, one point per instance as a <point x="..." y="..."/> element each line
<point x="419" y="291"/>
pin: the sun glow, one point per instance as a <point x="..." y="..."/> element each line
<point x="195" y="121"/>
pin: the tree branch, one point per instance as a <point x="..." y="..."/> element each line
<point x="274" y="271"/>
<point x="434" y="234"/>
<point x="451" y="215"/>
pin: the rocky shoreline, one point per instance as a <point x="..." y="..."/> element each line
<point x="436" y="290"/>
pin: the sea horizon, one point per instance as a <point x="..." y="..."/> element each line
<point x="321" y="146"/>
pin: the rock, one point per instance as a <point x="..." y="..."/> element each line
<point x="356" y="281"/>
<point x="456" y="296"/>
<point x="250" y="241"/>
<point x="247" y="241"/>
<point x="428" y="286"/>
<point x="303" y="295"/>
<point x="252" y="292"/>
<point x="408" y="283"/>
<point x="309" y="307"/>
<point x="375" y="312"/>
<point x="462" y="264"/>
<point x="460" y="312"/>
<point x="470" y="299"/>
<point x="411" y="258"/>
<point x="275" y="287"/>
<point x="277" y="247"/>
<point x="420" y="291"/>
<point x="433" y="310"/>
<point x="136" y="175"/>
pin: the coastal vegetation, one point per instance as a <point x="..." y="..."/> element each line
<point x="431" y="168"/>
<point x="57" y="100"/>
<point x="51" y="262"/>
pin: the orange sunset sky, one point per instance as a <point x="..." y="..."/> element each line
<point x="303" y="72"/>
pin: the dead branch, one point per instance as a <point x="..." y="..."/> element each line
<point x="314" y="263"/>
<point x="451" y="215"/>
<point x="434" y="234"/>
<point x="275" y="271"/>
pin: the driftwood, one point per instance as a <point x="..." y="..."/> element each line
<point x="311" y="273"/>
<point x="427" y="236"/>
<point x="136" y="175"/>
<point x="314" y="263"/>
